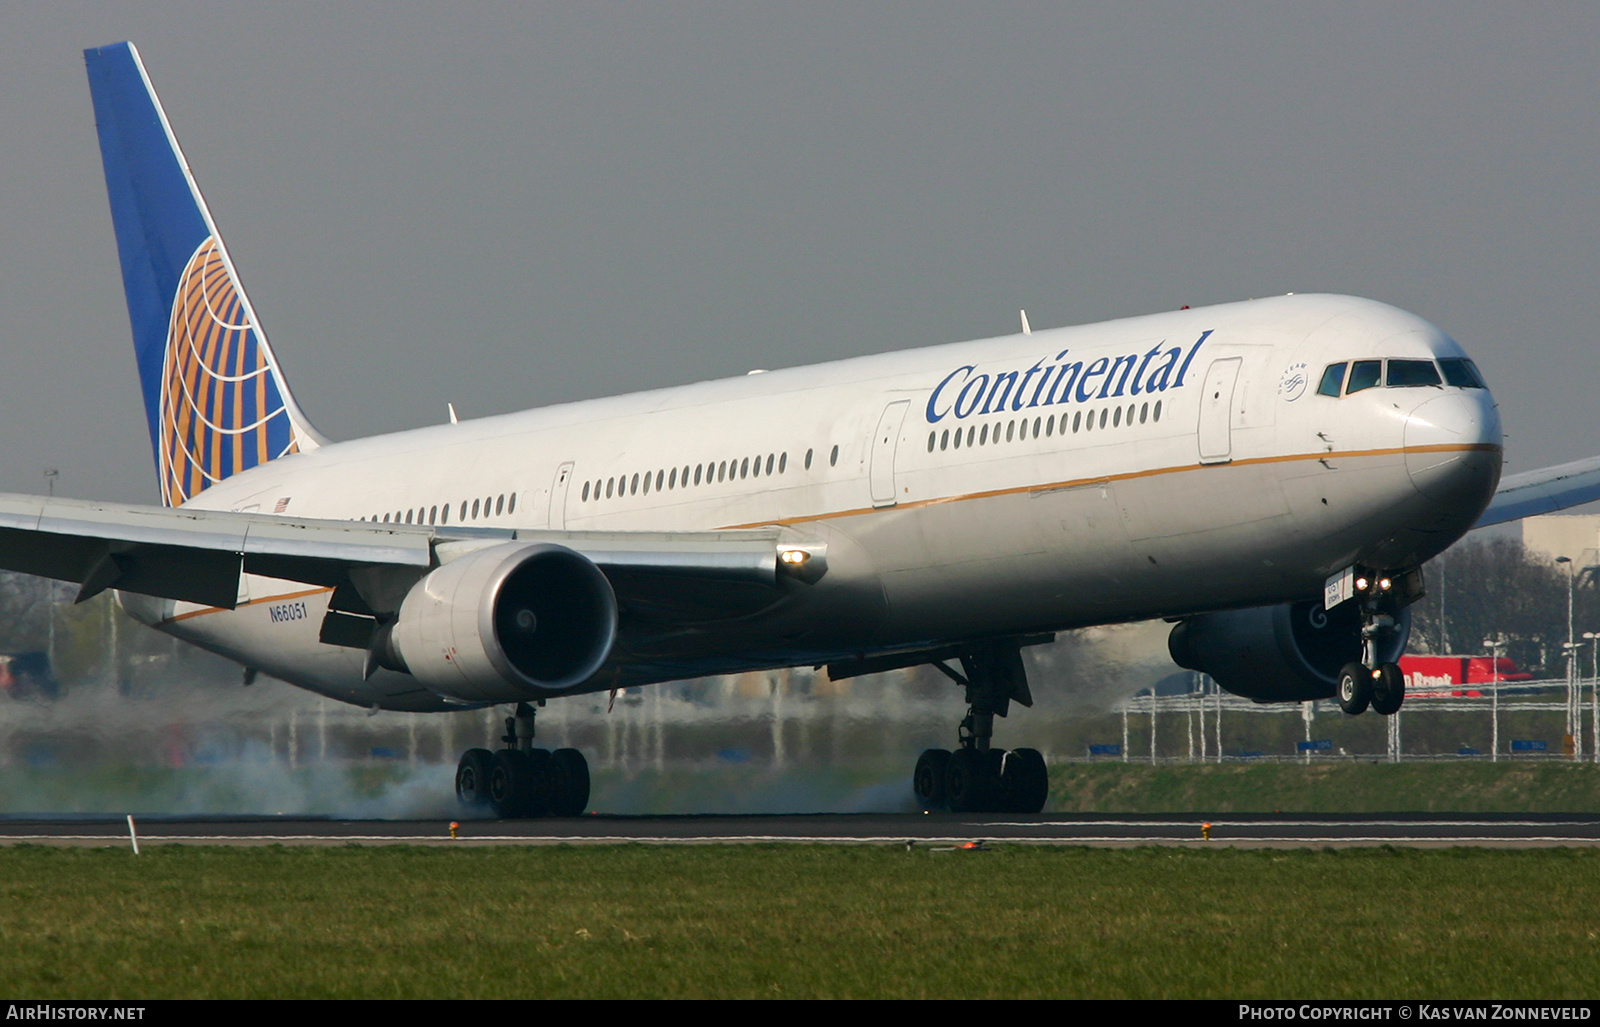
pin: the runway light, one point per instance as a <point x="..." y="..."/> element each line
<point x="453" y="827"/>
<point x="794" y="557"/>
<point x="1205" y="832"/>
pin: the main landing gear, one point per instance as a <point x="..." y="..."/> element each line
<point x="976" y="778"/>
<point x="1368" y="682"/>
<point x="521" y="781"/>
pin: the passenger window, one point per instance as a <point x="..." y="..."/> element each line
<point x="1103" y="414"/>
<point x="833" y="458"/>
<point x="783" y="461"/>
<point x="444" y="514"/>
<point x="1364" y="374"/>
<point x="1463" y="374"/>
<point x="1332" y="380"/>
<point x="1405" y="374"/>
<point x="744" y="468"/>
<point x="511" y="503"/>
<point x="959" y="433"/>
<point x="660" y="476"/>
<point x="1144" y="413"/>
<point x="769" y="464"/>
<point x="433" y="515"/>
<point x="1116" y="419"/>
<point x="464" y="503"/>
<point x="808" y="459"/>
<point x="983" y="437"/>
<point x="1156" y="413"/>
<point x="1077" y="419"/>
<point x="933" y="437"/>
<point x="1050" y="426"/>
<point x="944" y="439"/>
<point x="499" y="505"/>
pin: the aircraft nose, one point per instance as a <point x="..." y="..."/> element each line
<point x="1453" y="447"/>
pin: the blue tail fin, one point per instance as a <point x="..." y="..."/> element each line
<point x="214" y="395"/>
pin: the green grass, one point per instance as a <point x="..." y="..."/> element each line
<point x="1333" y="787"/>
<point x="718" y="921"/>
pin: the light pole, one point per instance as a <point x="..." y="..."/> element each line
<point x="1571" y="703"/>
<point x="1594" y="705"/>
<point x="1494" y="646"/>
<point x="1575" y="698"/>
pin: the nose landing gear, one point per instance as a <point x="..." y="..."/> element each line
<point x="1369" y="682"/>
<point x="521" y="781"/>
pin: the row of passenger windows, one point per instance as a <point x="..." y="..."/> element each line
<point x="769" y="464"/>
<point x="1398" y="374"/>
<point x="982" y="435"/>
<point x="492" y="506"/>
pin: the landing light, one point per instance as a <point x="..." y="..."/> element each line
<point x="1384" y="584"/>
<point x="1362" y="583"/>
<point x="794" y="557"/>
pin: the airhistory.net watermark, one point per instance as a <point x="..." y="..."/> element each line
<point x="71" y="1011"/>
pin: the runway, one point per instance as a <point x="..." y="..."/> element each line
<point x="933" y="830"/>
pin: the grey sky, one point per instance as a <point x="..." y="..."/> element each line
<point x="511" y="205"/>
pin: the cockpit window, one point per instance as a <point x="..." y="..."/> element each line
<point x="1463" y="374"/>
<point x="1412" y="373"/>
<point x="1364" y="374"/>
<point x="1332" y="380"/>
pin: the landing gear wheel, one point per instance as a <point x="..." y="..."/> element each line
<point x="1354" y="689"/>
<point x="514" y="784"/>
<point x="1024" y="781"/>
<point x="971" y="778"/>
<point x="1388" y="689"/>
<point x="927" y="781"/>
<point x="472" y="777"/>
<point x="569" y="783"/>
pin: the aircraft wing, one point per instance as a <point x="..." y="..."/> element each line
<point x="198" y="555"/>
<point x="1543" y="491"/>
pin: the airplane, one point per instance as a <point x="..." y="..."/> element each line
<point x="1267" y="475"/>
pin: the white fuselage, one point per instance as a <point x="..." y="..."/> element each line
<point x="1153" y="466"/>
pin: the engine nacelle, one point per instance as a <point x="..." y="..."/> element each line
<point x="506" y="623"/>
<point x="1289" y="653"/>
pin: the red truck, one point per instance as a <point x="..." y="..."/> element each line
<point x="1441" y="676"/>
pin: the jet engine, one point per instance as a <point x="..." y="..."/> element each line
<point x="1289" y="653"/>
<point x="509" y="622"/>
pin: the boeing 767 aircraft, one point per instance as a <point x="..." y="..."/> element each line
<point x="1269" y="475"/>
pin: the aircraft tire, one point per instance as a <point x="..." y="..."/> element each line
<point x="1025" y="782"/>
<point x="1354" y="690"/>
<point x="928" y="779"/>
<point x="514" y="784"/>
<point x="1388" y="689"/>
<point x="971" y="779"/>
<point x="569" y="783"/>
<point x="472" y="777"/>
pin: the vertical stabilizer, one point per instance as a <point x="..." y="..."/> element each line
<point x="214" y="395"/>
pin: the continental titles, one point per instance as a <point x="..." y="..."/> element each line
<point x="967" y="392"/>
